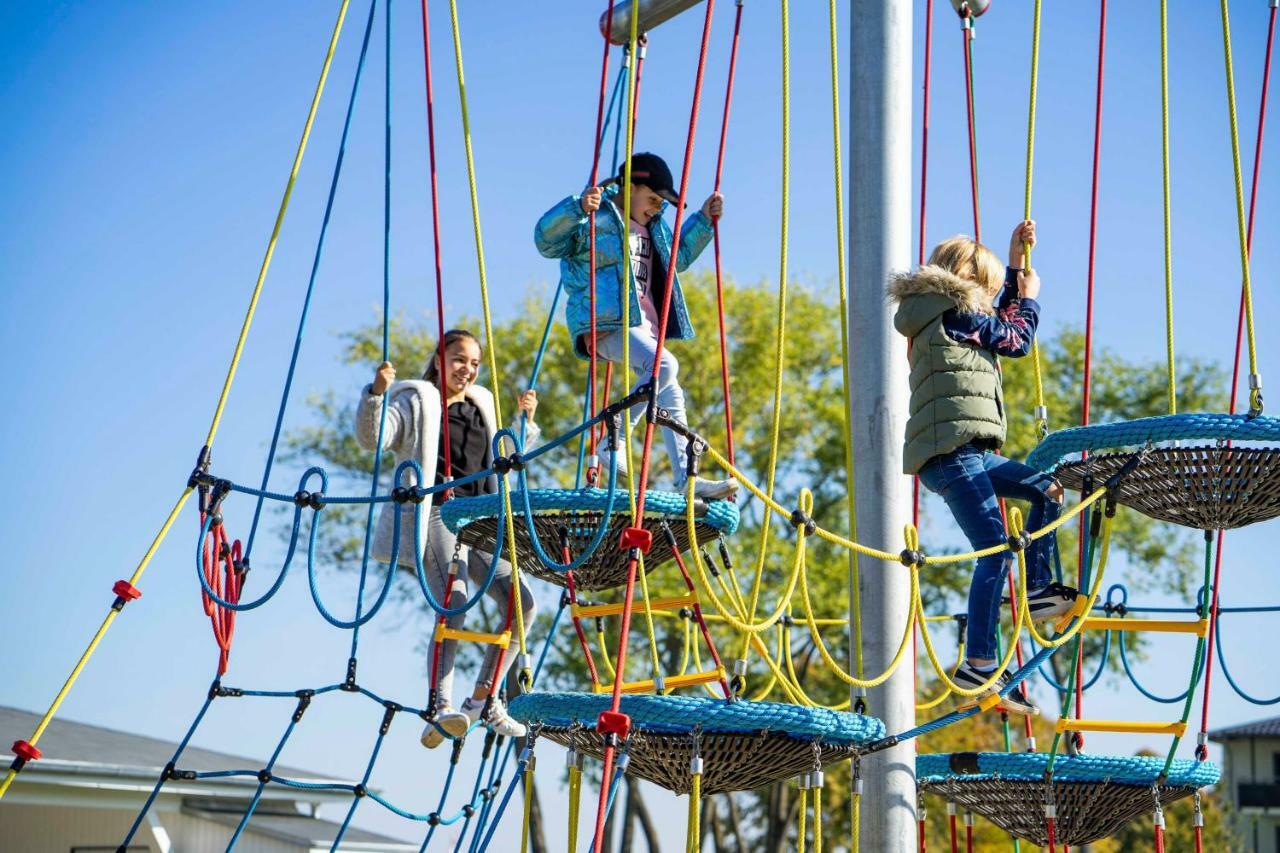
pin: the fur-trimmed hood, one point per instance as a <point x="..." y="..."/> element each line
<point x="929" y="291"/>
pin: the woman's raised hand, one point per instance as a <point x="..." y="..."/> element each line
<point x="528" y="403"/>
<point x="590" y="200"/>
<point x="383" y="377"/>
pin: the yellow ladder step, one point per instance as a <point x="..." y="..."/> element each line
<point x="444" y="632"/>
<point x="1120" y="726"/>
<point x="1170" y="626"/>
<point x="1079" y="608"/>
<point x="637" y="606"/>
<point x="647" y="686"/>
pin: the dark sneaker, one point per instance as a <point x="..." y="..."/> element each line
<point x="1014" y="702"/>
<point x="1050" y="602"/>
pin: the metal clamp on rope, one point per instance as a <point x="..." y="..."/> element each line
<point x="1197" y="817"/>
<point x="951" y="809"/>
<point x="303" y="498"/>
<point x="695" y="762"/>
<point x="350" y="684"/>
<point x="856" y="771"/>
<point x="1255" y="382"/>
<point x="693" y="454"/>
<point x="859" y="700"/>
<point x="1020" y="542"/>
<point x="304" y="701"/>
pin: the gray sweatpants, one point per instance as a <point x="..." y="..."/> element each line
<point x="440" y="546"/>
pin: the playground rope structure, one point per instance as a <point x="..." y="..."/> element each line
<point x="222" y="564"/>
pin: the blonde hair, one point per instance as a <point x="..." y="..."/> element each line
<point x="967" y="258"/>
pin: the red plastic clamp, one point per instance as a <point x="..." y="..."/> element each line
<point x="126" y="590"/>
<point x="636" y="537"/>
<point x="25" y="751"/>
<point x="613" y="722"/>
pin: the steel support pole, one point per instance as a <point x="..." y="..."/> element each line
<point x="879" y="245"/>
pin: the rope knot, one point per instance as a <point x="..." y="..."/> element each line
<point x="912" y="558"/>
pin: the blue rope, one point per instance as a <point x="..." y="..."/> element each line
<point x="602" y="527"/>
<point x="1047" y="673"/>
<point x="614" y="784"/>
<point x="506" y="798"/>
<point x="1197" y="425"/>
<point x="377" y="745"/>
<point x="448" y="783"/>
<point x="1128" y="670"/>
<point x="1253" y="700"/>
<point x="177" y="753"/>
<point x="262" y="783"/>
<point x="311" y="282"/>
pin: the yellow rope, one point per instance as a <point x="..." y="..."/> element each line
<point x="490" y="341"/>
<point x="817" y="820"/>
<point x="930" y="704"/>
<point x="1168" y="214"/>
<point x="528" y="806"/>
<point x="695" y="814"/>
<point x="624" y="368"/>
<point x="1041" y="413"/>
<point x="575" y="800"/>
<point x="851" y="503"/>
<point x="804" y="807"/>
<point x="1255" y="393"/>
<point x="780" y="338"/>
<point x="222" y="396"/>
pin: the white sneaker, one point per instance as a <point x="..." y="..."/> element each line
<point x="710" y="490"/>
<point x="453" y="722"/>
<point x="499" y="720"/>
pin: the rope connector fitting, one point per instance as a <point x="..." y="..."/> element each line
<point x="695" y="766"/>
<point x="25" y="752"/>
<point x="912" y="558"/>
<point x="614" y="723"/>
<point x="125" y="592"/>
<point x="1050" y="811"/>
<point x="800" y="518"/>
<point x="433" y="819"/>
<point x="303" y="498"/>
<point x="264" y="775"/>
<point x="201" y="470"/>
<point x="1020" y="542"/>
<point x="349" y="685"/>
<point x="635" y="537"/>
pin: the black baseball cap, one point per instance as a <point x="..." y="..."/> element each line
<point x="650" y="170"/>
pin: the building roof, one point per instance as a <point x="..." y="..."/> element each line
<point x="80" y="743"/>
<point x="293" y="826"/>
<point x="1258" y="728"/>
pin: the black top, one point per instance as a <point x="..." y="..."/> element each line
<point x="469" y="450"/>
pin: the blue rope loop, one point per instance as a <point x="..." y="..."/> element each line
<point x="1189" y="426"/>
<point x="676" y="714"/>
<point x="1032" y="766"/>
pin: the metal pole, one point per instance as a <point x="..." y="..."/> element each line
<point x="880" y="244"/>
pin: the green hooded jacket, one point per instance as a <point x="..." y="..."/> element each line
<point x="956" y="393"/>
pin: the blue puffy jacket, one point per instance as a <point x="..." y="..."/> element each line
<point x="563" y="232"/>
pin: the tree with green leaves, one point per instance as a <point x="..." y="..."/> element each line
<point x="810" y="453"/>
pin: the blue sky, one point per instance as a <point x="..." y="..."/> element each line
<point x="143" y="158"/>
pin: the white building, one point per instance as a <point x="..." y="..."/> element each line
<point x="86" y="791"/>
<point x="1251" y="778"/>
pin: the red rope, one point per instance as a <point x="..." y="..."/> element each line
<point x="1052" y="843"/>
<point x="220" y="560"/>
<point x="955" y="841"/>
<point x="577" y="622"/>
<point x="629" y="594"/>
<point x="1159" y="839"/>
<point x="920" y="836"/>
<point x="968" y="833"/>
<point x="715" y="224"/>
<point x="435" y="237"/>
<point x="1088" y="318"/>
<point x="698" y="617"/>
<point x="1201" y="752"/>
<point x="966" y="33"/>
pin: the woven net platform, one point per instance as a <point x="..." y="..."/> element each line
<point x="581" y="513"/>
<point x="1207" y="486"/>
<point x="1094" y="795"/>
<point x="743" y="745"/>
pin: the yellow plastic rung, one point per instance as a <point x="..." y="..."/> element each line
<point x="1078" y="609"/>
<point x="637" y="606"/>
<point x="647" y="686"/>
<point x="1121" y="726"/>
<point x="1172" y="626"/>
<point x="444" y="632"/>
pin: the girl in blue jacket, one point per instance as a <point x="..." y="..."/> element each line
<point x="641" y="273"/>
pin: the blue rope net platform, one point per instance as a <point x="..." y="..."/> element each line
<point x="1206" y="487"/>
<point x="743" y="745"/>
<point x="1094" y="795"/>
<point x="592" y="520"/>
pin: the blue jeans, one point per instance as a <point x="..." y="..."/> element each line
<point x="969" y="480"/>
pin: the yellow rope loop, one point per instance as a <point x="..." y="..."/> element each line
<point x="1095" y="590"/>
<point x="930" y="704"/>
<point x="817" y="819"/>
<point x="1255" y="380"/>
<point x="695" y="814"/>
<point x="1015" y="522"/>
<point x="804" y="807"/>
<point x="648" y="618"/>
<point x="528" y="806"/>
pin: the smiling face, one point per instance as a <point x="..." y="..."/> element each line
<point x="460" y="365"/>
<point x="645" y="203"/>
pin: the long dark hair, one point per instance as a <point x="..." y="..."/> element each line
<point x="451" y="337"/>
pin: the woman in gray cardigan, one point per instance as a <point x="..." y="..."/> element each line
<point x="412" y="431"/>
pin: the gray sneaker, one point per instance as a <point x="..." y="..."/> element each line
<point x="1014" y="702"/>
